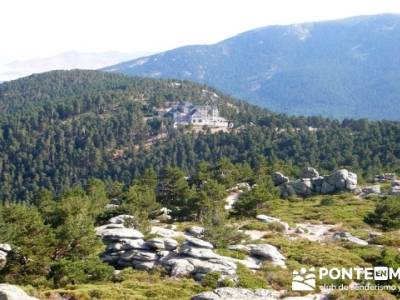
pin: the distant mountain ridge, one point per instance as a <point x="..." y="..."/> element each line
<point x="64" y="61"/>
<point x="341" y="68"/>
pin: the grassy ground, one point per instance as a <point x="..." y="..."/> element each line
<point x="133" y="285"/>
<point x="344" y="209"/>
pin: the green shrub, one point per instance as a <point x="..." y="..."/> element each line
<point x="386" y="214"/>
<point x="231" y="253"/>
<point x="249" y="279"/>
<point x="327" y="202"/>
<point x="210" y="280"/>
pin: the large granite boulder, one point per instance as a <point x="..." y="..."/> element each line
<point x="338" y="179"/>
<point x="303" y="187"/>
<point x="309" y="172"/>
<point x="268" y="252"/>
<point x="278" y="178"/>
<point x="287" y="190"/>
<point x="227" y="293"/>
<point x="12" y="292"/>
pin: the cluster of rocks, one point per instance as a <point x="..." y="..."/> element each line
<point x="126" y="247"/>
<point x="395" y="188"/>
<point x="227" y="293"/>
<point x="312" y="183"/>
<point x="384" y="177"/>
<point x="5" y="249"/>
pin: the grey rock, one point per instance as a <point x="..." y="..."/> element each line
<point x="309" y="172"/>
<point x="120" y="219"/>
<point x="196" y="231"/>
<point x="128" y="244"/>
<point x="142" y="255"/>
<point x="327" y="188"/>
<point x="317" y="184"/>
<point x="287" y="190"/>
<point x="199" y="243"/>
<point x="346" y="236"/>
<point x="227" y="293"/>
<point x="197" y="252"/>
<point x="268" y="219"/>
<point x="269" y="252"/>
<point x="395" y="188"/>
<point x="351" y="181"/>
<point x="385" y="177"/>
<point x="144" y="265"/>
<point x="225" y="267"/>
<point x="278" y="178"/>
<point x="162" y="243"/>
<point x="120" y="233"/>
<point x="5" y="247"/>
<point x="164" y="232"/>
<point x="303" y="187"/>
<point x="111" y="206"/>
<point x="338" y="178"/>
<point x="12" y="292"/>
<point x="179" y="267"/>
<point x="373" y="189"/>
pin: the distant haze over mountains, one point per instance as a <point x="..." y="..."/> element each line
<point x="65" y="61"/>
<point x="342" y="68"/>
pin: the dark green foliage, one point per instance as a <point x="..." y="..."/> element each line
<point x="55" y="242"/>
<point x="250" y="202"/>
<point x="386" y="214"/>
<point x="62" y="128"/>
<point x="345" y="68"/>
<point x="32" y="241"/>
<point x="327" y="202"/>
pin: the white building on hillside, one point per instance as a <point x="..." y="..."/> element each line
<point x="189" y="114"/>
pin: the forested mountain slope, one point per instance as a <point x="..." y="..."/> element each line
<point x="63" y="127"/>
<point x="342" y="68"/>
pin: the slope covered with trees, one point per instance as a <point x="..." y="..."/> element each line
<point x="65" y="127"/>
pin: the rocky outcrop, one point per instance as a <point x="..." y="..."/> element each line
<point x="12" y="292"/>
<point x="264" y="252"/>
<point x="346" y="236"/>
<point x="312" y="183"/>
<point x="5" y="249"/>
<point x="227" y="293"/>
<point x="126" y="247"/>
<point x="395" y="188"/>
<point x="385" y="177"/>
<point x="371" y="190"/>
<point x="278" y="178"/>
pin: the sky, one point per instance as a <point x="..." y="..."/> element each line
<point x="42" y="28"/>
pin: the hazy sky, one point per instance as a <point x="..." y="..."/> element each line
<point x="42" y="28"/>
